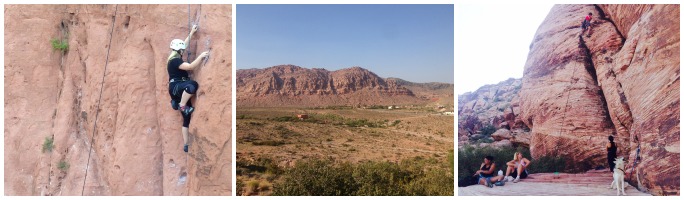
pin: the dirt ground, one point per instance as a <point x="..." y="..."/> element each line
<point x="343" y="134"/>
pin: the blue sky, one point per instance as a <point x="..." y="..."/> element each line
<point x="412" y="42"/>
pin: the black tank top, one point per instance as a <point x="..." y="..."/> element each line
<point x="485" y="168"/>
<point x="612" y="151"/>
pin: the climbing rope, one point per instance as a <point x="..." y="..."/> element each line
<point x="567" y="101"/>
<point x="97" y="111"/>
<point x="636" y="160"/>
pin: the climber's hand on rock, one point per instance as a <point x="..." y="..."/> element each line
<point x="194" y="28"/>
<point x="204" y="54"/>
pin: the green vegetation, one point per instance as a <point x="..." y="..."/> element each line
<point x="395" y="122"/>
<point x="253" y="186"/>
<point x="48" y="144"/>
<point x="63" y="165"/>
<point x="334" y="120"/>
<point x="285" y="119"/>
<point x="376" y="107"/>
<point x="269" y="143"/>
<point x="470" y="158"/>
<point x="61" y="45"/>
<point x="239" y="185"/>
<point x="285" y="132"/>
<point x="315" y="177"/>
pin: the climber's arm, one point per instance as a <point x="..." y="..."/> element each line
<point x="190" y="66"/>
<point x="187" y="40"/>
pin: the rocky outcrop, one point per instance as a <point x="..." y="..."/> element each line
<point x="289" y="85"/>
<point x="121" y="111"/>
<point x="494" y="105"/>
<point x="440" y="93"/>
<point x="621" y="79"/>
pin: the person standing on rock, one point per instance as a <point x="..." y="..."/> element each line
<point x="181" y="87"/>
<point x="586" y="24"/>
<point x="612" y="153"/>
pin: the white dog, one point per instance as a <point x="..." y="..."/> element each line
<point x="619" y="176"/>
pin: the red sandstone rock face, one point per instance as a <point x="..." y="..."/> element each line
<point x="623" y="80"/>
<point x="137" y="145"/>
<point x="289" y="85"/>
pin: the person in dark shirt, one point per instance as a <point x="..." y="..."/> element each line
<point x="486" y="172"/>
<point x="612" y="153"/>
<point x="181" y="87"/>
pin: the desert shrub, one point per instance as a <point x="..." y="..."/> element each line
<point x="285" y="119"/>
<point x="395" y="122"/>
<point x="63" y="165"/>
<point x="239" y="185"/>
<point x="269" y="143"/>
<point x="253" y="186"/>
<point x="362" y="123"/>
<point x="548" y="164"/>
<point x="256" y="123"/>
<point x="264" y="186"/>
<point x="316" y="178"/>
<point x="483" y="140"/>
<point x="416" y="176"/>
<point x="60" y="45"/>
<point x="487" y="130"/>
<point x="48" y="144"/>
<point x="261" y="165"/>
<point x="285" y="132"/>
<point x="377" y="107"/>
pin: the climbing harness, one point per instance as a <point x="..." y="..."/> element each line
<point x="97" y="112"/>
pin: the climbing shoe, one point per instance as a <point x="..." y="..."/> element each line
<point x="499" y="183"/>
<point x="186" y="110"/>
<point x="185" y="148"/>
<point x="174" y="104"/>
<point x="489" y="183"/>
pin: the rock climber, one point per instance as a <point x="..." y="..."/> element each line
<point x="181" y="87"/>
<point x="586" y="24"/>
<point x="612" y="152"/>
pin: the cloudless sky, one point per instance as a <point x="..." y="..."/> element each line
<point x="492" y="42"/>
<point x="412" y="42"/>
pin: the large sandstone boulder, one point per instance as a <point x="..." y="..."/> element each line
<point x="502" y="134"/>
<point x="137" y="143"/>
<point x="623" y="80"/>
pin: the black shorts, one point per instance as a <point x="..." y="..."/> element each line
<point x="176" y="88"/>
<point x="176" y="91"/>
<point x="522" y="175"/>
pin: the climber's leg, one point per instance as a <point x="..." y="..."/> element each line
<point x="185" y="131"/>
<point x="189" y="89"/>
<point x="184" y="99"/>
<point x="185" y="135"/>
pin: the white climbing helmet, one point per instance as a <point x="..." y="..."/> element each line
<point x="177" y="44"/>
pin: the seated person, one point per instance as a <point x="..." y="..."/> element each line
<point x="486" y="172"/>
<point x="517" y="168"/>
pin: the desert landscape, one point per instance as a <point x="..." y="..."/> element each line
<point x="87" y="107"/>
<point x="619" y="79"/>
<point x="294" y="123"/>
